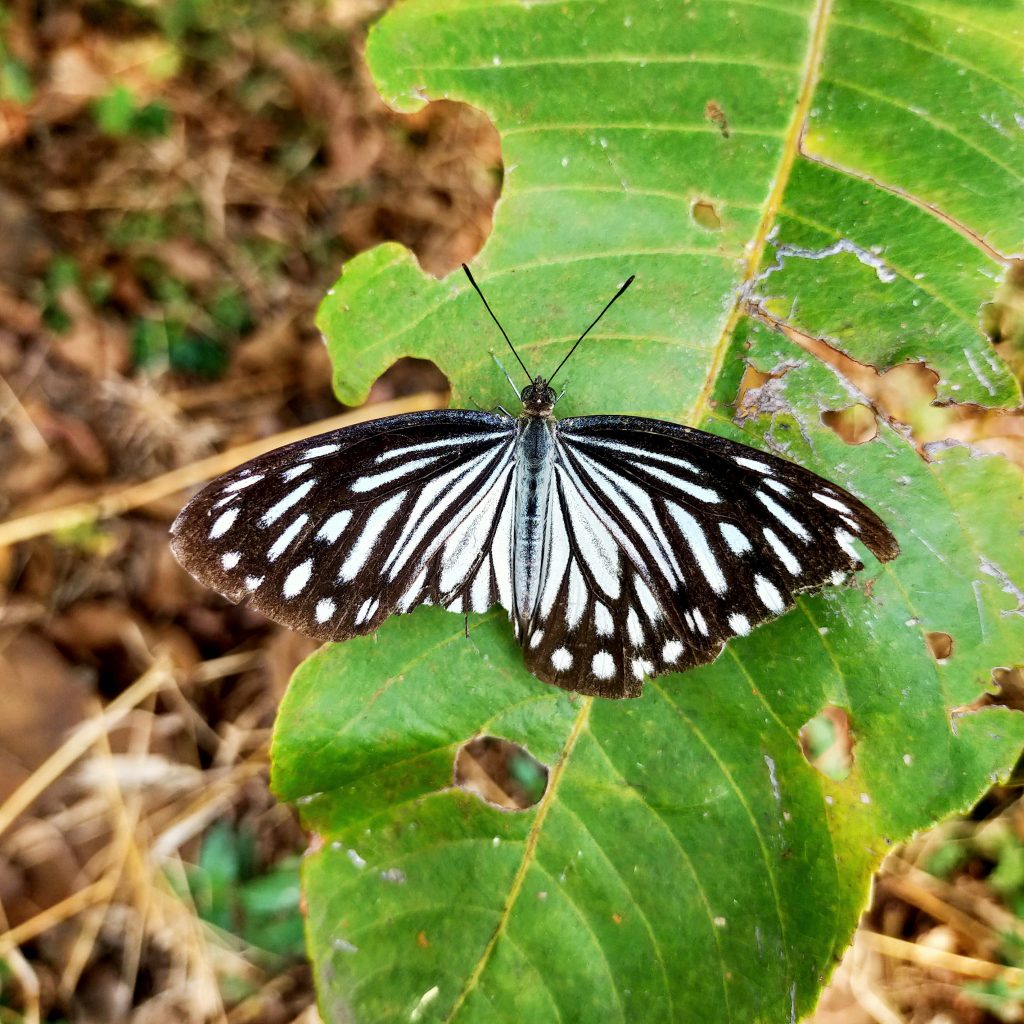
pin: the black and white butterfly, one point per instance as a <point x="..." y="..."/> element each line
<point x="621" y="547"/>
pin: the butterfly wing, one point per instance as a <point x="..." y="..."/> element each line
<point x="333" y="534"/>
<point x="667" y="541"/>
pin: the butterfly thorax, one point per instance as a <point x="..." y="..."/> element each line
<point x="538" y="398"/>
<point x="534" y="471"/>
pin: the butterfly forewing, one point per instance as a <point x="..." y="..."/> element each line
<point x="332" y="535"/>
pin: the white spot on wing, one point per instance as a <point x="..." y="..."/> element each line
<point x="252" y="582"/>
<point x="739" y="624"/>
<point x="603" y="665"/>
<point x="325" y="608"/>
<point x="636" y="634"/>
<point x="671" y="651"/>
<point x="603" y="620"/>
<point x="561" y="659"/>
<point x="295" y="582"/>
<point x="641" y="667"/>
<point x="224" y="523"/>
<point x="230" y="559"/>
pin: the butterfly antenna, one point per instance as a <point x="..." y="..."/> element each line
<point x="495" y="319"/>
<point x="629" y="281"/>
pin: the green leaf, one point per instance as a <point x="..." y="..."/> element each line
<point x="854" y="168"/>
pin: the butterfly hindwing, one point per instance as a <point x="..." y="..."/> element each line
<point x="333" y="534"/>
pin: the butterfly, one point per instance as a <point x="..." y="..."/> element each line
<point x="621" y="547"/>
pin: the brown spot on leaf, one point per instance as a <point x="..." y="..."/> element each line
<point x="940" y="644"/>
<point x="714" y="113"/>
<point x="500" y="772"/>
<point x="705" y="215"/>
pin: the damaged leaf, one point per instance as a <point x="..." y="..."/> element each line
<point x="686" y="860"/>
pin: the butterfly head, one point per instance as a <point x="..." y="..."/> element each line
<point x="538" y="398"/>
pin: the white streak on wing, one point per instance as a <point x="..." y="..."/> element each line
<point x="372" y="529"/>
<point x="843" y="539"/>
<point x="850" y="523"/>
<point x="739" y="624"/>
<point x="225" y="501"/>
<point x="698" y="617"/>
<point x="295" y="582"/>
<point x="785" y="556"/>
<point x="366" y="609"/>
<point x="783" y="516"/>
<point x="633" y="628"/>
<point x="637" y="453"/>
<point x="838" y="506"/>
<point x="412" y="593"/>
<point x="430" y="446"/>
<point x="368" y="483"/>
<point x="769" y="594"/>
<point x="671" y="651"/>
<point x="577" y="602"/>
<point x="603" y="665"/>
<point x="230" y="559"/>
<point x="698" y="543"/>
<point x="319" y="450"/>
<point x="603" y="621"/>
<point x="761" y="467"/>
<point x="737" y="541"/>
<point x="779" y="488"/>
<point x="333" y="527"/>
<point x="501" y="549"/>
<point x="690" y="621"/>
<point x="456" y="605"/>
<point x="538" y="635"/>
<point x="649" y="528"/>
<point x="597" y="548"/>
<point x="445" y="490"/>
<point x="284" y="539"/>
<point x="325" y="608"/>
<point x="224" y="523"/>
<point x="480" y="593"/>
<point x="556" y="556"/>
<point x="561" y="659"/>
<point x="245" y="482"/>
<point x="694" y="490"/>
<point x="647" y="600"/>
<point x="468" y="540"/>
<point x="291" y="474"/>
<point x="293" y="497"/>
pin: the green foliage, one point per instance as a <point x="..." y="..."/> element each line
<point x="119" y="113"/>
<point x="262" y="909"/>
<point x="686" y="862"/>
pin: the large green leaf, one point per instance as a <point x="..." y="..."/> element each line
<point x="686" y="862"/>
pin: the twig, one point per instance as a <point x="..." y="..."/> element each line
<point x="119" y="502"/>
<point x="925" y="956"/>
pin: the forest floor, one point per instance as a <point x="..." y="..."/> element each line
<point x="180" y="184"/>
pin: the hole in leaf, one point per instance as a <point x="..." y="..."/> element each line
<point x="705" y="215"/>
<point x="1009" y="693"/>
<point x="500" y="772"/>
<point x="827" y="742"/>
<point x="714" y="113"/>
<point x="940" y="644"/>
<point x="854" y="424"/>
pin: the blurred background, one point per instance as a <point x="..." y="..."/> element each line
<point x="180" y="183"/>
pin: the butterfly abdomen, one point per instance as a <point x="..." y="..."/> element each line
<point x="535" y="455"/>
